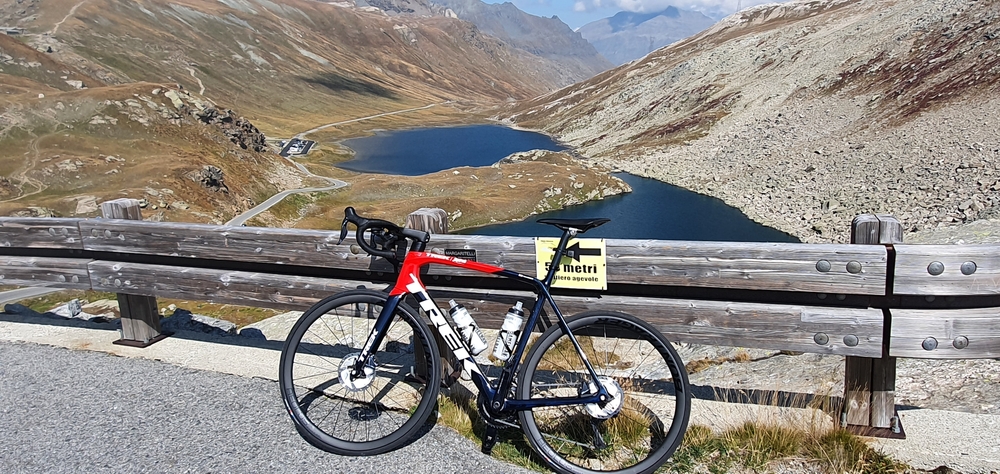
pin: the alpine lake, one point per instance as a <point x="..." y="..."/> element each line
<point x="653" y="210"/>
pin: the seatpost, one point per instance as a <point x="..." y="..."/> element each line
<point x="560" y="249"/>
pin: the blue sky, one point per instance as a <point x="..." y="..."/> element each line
<point x="577" y="13"/>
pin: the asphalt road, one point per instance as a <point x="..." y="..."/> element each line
<point x="77" y="411"/>
<point x="242" y="218"/>
<point x="15" y="295"/>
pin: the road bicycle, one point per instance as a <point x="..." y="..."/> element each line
<point x="596" y="392"/>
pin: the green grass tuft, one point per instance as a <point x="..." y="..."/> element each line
<point x="756" y="446"/>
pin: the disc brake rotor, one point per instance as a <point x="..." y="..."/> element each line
<point x="613" y="406"/>
<point x="360" y="383"/>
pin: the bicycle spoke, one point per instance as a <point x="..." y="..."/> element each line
<point x="637" y="428"/>
<point x="378" y="408"/>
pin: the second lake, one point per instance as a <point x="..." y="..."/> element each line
<point x="427" y="150"/>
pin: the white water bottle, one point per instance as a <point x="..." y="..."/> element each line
<point x="509" y="331"/>
<point x="467" y="328"/>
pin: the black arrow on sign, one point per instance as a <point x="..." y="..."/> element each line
<point x="575" y="252"/>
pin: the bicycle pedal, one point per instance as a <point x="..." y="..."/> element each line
<point x="490" y="439"/>
<point x="450" y="378"/>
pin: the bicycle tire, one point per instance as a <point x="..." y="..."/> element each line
<point x="641" y="426"/>
<point x="367" y="416"/>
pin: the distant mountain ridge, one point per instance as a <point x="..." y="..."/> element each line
<point x="625" y="20"/>
<point x="627" y="36"/>
<point x="548" y="38"/>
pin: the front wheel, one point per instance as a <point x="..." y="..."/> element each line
<point x="377" y="412"/>
<point x="643" y="423"/>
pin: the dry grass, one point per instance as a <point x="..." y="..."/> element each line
<point x="458" y="411"/>
<point x="699" y="365"/>
<point x="783" y="431"/>
<point x="238" y="315"/>
<point x="51" y="301"/>
<point x="563" y="352"/>
<point x="757" y="446"/>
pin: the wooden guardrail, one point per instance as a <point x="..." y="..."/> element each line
<point x="871" y="303"/>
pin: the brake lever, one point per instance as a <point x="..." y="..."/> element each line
<point x="349" y="216"/>
<point x="343" y="231"/>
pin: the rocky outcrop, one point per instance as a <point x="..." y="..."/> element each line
<point x="184" y="320"/>
<point x="212" y="178"/>
<point x="238" y="129"/>
<point x="7" y="188"/>
<point x="35" y="211"/>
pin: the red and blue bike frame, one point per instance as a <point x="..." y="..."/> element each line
<point x="409" y="283"/>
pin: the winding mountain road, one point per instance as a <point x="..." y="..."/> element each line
<point x="200" y="84"/>
<point x="242" y="218"/>
<point x="334" y="183"/>
<point x="72" y="11"/>
<point x="307" y="132"/>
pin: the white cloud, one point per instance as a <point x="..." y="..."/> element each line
<point x="580" y="6"/>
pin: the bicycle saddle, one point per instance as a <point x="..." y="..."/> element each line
<point x="581" y="225"/>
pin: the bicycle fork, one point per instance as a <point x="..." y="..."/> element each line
<point x="439" y="322"/>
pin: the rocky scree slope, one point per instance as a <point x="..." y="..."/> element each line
<point x="807" y="113"/>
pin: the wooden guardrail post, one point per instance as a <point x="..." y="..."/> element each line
<point x="139" y="318"/>
<point x="870" y="384"/>
<point x="435" y="221"/>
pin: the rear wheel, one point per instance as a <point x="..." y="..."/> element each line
<point x="372" y="414"/>
<point x="645" y="420"/>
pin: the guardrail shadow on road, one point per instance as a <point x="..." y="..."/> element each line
<point x="114" y="325"/>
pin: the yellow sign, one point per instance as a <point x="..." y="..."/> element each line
<point x="584" y="266"/>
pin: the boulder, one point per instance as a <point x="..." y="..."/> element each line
<point x="184" y="320"/>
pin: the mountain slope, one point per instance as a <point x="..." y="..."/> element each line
<point x="627" y="36"/>
<point x="807" y="113"/>
<point x="286" y="63"/>
<point x="102" y="99"/>
<point x="548" y="38"/>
